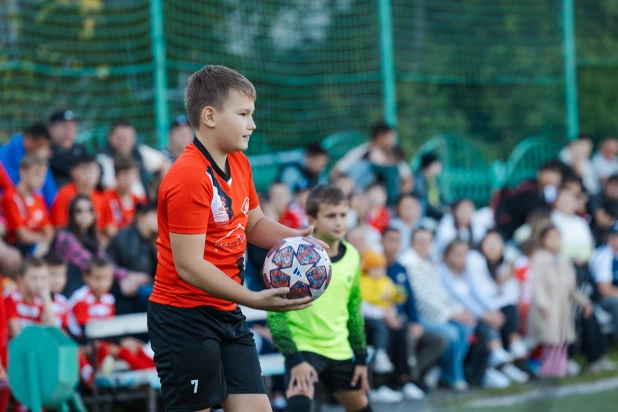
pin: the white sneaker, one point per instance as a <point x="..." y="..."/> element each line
<point x="494" y="379"/>
<point x="432" y="377"/>
<point x="519" y="350"/>
<point x="573" y="368"/>
<point x="411" y="391"/>
<point x="382" y="364"/>
<point x="499" y="357"/>
<point x="384" y="394"/>
<point x="460" y="386"/>
<point x="514" y="373"/>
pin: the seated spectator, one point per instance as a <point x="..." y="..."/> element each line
<point x="577" y="242"/>
<point x="180" y="135"/>
<point x="30" y="302"/>
<point x="57" y="269"/>
<point x="122" y="141"/>
<point x="346" y="184"/>
<point x="604" y="268"/>
<point x="605" y="162"/>
<point x="407" y="218"/>
<point x="512" y="208"/>
<point x="551" y="322"/>
<point x="574" y="184"/>
<point x="362" y="206"/>
<point x="438" y="311"/>
<point x="279" y="198"/>
<point x="380" y="300"/>
<point x="85" y="175"/>
<point x="64" y="150"/>
<point x="378" y="215"/>
<point x="310" y="172"/>
<point x="490" y="321"/>
<point x="5" y="181"/>
<point x="577" y="156"/>
<point x="134" y="248"/>
<point x="294" y="214"/>
<point x="424" y="347"/>
<point x="93" y="301"/>
<point x="494" y="281"/>
<point x="426" y="186"/>
<point x="120" y="202"/>
<point x="29" y="226"/>
<point x="78" y="243"/>
<point x="35" y="141"/>
<point x="604" y="208"/>
<point x="460" y="224"/>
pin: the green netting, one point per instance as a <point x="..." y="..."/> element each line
<point x="492" y="71"/>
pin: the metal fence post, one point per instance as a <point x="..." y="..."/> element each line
<point x="387" y="64"/>
<point x="570" y="68"/>
<point x="160" y="72"/>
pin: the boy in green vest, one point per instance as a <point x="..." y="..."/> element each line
<point x="327" y="341"/>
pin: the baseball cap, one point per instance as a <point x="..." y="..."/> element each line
<point x="613" y="229"/>
<point x="180" y="120"/>
<point x="62" y="116"/>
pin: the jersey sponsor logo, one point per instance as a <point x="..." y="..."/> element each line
<point x="245" y="207"/>
<point x="233" y="238"/>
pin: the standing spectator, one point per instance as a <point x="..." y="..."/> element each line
<point x="120" y="202"/>
<point x="180" y="135"/>
<point x="425" y="347"/>
<point x="35" y="141"/>
<point x="577" y="156"/>
<point x="512" y="209"/>
<point x="439" y="312"/>
<point x="427" y="188"/>
<point x="605" y="162"/>
<point x="604" y="268"/>
<point x="78" y="243"/>
<point x="63" y="130"/>
<point x="29" y="225"/>
<point x="551" y="322"/>
<point x="407" y="218"/>
<point x="85" y="175"/>
<point x="308" y="173"/>
<point x="122" y="141"/>
<point x="604" y="208"/>
<point x="134" y="248"/>
<point x="29" y="303"/>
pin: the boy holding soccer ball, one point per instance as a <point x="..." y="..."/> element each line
<point x="327" y="340"/>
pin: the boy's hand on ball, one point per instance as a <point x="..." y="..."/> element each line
<point x="307" y="233"/>
<point x="276" y="300"/>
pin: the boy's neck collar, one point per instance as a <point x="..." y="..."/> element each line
<point x="23" y="190"/>
<point x="217" y="159"/>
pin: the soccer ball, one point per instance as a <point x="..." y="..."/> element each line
<point x="300" y="264"/>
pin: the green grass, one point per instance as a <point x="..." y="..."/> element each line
<point x="597" y="402"/>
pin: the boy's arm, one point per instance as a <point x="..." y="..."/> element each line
<point x="264" y="232"/>
<point x="282" y="338"/>
<point x="48" y="317"/>
<point x="356" y="323"/>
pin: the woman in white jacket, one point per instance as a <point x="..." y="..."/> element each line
<point x="493" y="279"/>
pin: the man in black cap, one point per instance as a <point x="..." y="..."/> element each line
<point x="180" y="135"/>
<point x="63" y="130"/>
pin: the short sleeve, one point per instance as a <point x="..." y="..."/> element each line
<point x="601" y="266"/>
<point x="10" y="308"/>
<point x="188" y="202"/>
<point x="12" y="213"/>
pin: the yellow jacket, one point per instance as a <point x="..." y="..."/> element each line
<point x="381" y="291"/>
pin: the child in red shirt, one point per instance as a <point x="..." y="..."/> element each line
<point x="27" y="219"/>
<point x="93" y="301"/>
<point x="57" y="269"/>
<point x="121" y="202"/>
<point x="30" y="302"/>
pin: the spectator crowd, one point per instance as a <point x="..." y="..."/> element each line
<point x="452" y="295"/>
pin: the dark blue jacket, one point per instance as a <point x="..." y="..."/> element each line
<point x="399" y="275"/>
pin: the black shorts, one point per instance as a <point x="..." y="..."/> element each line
<point x="336" y="374"/>
<point x="202" y="354"/>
